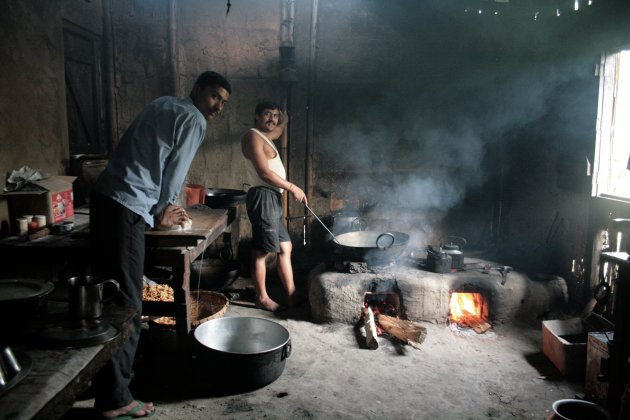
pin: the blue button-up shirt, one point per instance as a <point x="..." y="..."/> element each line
<point x="149" y="165"/>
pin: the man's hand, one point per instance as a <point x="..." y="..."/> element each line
<point x="171" y="216"/>
<point x="297" y="194"/>
<point x="283" y="117"/>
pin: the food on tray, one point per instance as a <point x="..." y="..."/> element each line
<point x="158" y="293"/>
<point x="165" y="320"/>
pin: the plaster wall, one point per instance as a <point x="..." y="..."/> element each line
<point x="32" y="125"/>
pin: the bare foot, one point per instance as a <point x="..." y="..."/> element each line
<point x="267" y="304"/>
<point x="144" y="410"/>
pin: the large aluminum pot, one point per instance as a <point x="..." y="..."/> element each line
<point x="371" y="246"/>
<point x="245" y="352"/>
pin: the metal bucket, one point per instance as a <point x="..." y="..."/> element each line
<point x="570" y="409"/>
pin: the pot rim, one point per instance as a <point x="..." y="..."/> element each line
<point x="400" y="238"/>
<point x="231" y="319"/>
<point x="224" y="192"/>
<point x="598" y="408"/>
<point x="25" y="290"/>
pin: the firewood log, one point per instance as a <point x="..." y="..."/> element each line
<point x="406" y="331"/>
<point x="478" y="324"/>
<point x="370" y="329"/>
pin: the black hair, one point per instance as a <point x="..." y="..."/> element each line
<point x="262" y="105"/>
<point x="211" y="78"/>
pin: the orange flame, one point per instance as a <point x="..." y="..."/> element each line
<point x="466" y="306"/>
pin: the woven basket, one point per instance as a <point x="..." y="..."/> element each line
<point x="204" y="306"/>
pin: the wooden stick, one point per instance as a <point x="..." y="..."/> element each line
<point x="370" y="329"/>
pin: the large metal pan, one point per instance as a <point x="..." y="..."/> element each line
<point x="224" y="198"/>
<point x="371" y="246"/>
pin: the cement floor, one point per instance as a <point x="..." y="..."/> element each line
<point x="502" y="374"/>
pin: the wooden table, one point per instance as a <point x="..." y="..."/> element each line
<point x="176" y="251"/>
<point x="58" y="377"/>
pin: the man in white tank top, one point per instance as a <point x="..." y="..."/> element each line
<point x="267" y="176"/>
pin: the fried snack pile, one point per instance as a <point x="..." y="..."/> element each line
<point x="159" y="293"/>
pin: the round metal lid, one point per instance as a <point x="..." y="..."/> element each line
<point x="77" y="333"/>
<point x="12" y="290"/>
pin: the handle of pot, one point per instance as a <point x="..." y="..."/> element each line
<point x="385" y="234"/>
<point x="462" y="242"/>
<point x="358" y="224"/>
<point x="286" y="350"/>
<point x="115" y="283"/>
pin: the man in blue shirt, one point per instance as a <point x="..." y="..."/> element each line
<point x="140" y="187"/>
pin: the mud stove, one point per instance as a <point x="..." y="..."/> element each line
<point x="336" y="296"/>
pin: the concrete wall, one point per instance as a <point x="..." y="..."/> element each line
<point x="448" y="121"/>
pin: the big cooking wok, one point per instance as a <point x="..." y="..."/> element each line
<point x="371" y="246"/>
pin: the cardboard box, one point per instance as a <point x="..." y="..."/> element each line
<point x="564" y="343"/>
<point x="51" y="197"/>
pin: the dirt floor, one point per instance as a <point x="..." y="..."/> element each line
<point x="501" y="374"/>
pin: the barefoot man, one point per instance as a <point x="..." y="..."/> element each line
<point x="264" y="202"/>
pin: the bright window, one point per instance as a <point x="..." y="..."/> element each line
<point x="612" y="155"/>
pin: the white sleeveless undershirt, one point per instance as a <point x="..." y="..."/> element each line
<point x="275" y="164"/>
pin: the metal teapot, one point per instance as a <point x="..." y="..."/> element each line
<point x="454" y="247"/>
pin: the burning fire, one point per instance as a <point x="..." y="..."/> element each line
<point x="468" y="309"/>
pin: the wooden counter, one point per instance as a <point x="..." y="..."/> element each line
<point x="58" y="377"/>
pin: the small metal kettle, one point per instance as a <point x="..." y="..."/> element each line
<point x="438" y="261"/>
<point x="454" y="247"/>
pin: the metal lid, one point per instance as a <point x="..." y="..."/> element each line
<point x="12" y="290"/>
<point x="78" y="333"/>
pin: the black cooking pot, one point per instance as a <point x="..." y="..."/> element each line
<point x="245" y="353"/>
<point x="223" y="198"/>
<point x="371" y="246"/>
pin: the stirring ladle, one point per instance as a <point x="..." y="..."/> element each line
<point x="325" y="227"/>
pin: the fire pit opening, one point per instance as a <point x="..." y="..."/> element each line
<point x="382" y="313"/>
<point x="386" y="303"/>
<point x="469" y="310"/>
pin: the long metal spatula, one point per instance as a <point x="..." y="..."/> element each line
<point x="328" y="230"/>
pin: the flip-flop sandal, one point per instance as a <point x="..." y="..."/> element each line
<point x="130" y="414"/>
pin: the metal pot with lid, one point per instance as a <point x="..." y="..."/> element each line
<point x="454" y="247"/>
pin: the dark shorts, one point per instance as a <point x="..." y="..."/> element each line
<point x="264" y="209"/>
